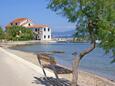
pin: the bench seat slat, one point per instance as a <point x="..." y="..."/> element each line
<point x="59" y="69"/>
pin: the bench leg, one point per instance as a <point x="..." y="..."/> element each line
<point x="42" y="67"/>
<point x="54" y="70"/>
<point x="44" y="72"/>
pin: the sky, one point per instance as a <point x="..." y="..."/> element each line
<point x="36" y="11"/>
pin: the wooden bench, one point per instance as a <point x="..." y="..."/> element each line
<point x="50" y="63"/>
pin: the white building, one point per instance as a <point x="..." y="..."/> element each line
<point x="42" y="32"/>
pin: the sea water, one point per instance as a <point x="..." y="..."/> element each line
<point x="95" y="62"/>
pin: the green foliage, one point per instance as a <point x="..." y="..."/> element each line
<point x="1" y="33"/>
<point x="18" y="33"/>
<point x="113" y="60"/>
<point x="94" y="19"/>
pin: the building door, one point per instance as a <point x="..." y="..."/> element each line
<point x="38" y="37"/>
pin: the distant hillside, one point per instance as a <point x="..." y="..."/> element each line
<point x="65" y="34"/>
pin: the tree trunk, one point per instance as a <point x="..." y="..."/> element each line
<point x="75" y="67"/>
<point x="76" y="62"/>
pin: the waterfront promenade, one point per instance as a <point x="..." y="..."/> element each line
<point x="15" y="71"/>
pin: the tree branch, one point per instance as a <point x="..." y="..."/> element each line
<point x="88" y="50"/>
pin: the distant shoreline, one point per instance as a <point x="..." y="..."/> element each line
<point x="9" y="44"/>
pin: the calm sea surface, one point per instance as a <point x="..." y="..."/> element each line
<point x="96" y="62"/>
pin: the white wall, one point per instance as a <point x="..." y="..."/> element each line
<point x="26" y="23"/>
<point x="46" y="33"/>
<point x="43" y="35"/>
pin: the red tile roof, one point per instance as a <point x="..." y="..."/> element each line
<point x="37" y="26"/>
<point x="20" y="20"/>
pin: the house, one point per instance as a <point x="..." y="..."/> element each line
<point x="41" y="32"/>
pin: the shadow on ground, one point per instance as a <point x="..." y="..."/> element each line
<point x="50" y="81"/>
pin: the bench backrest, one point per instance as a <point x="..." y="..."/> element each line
<point x="46" y="58"/>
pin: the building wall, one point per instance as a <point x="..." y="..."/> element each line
<point x="25" y="21"/>
<point x="46" y="33"/>
<point x="42" y="33"/>
<point x="28" y="24"/>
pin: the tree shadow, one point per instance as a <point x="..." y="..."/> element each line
<point x="50" y="81"/>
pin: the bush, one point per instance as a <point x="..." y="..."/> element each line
<point x="1" y="34"/>
<point x="18" y="33"/>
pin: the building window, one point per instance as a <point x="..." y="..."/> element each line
<point x="16" y="23"/>
<point x="48" y="36"/>
<point x="11" y="23"/>
<point x="44" y="29"/>
<point x="44" y="36"/>
<point x="48" y="29"/>
<point x="29" y="24"/>
<point x="36" y="29"/>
